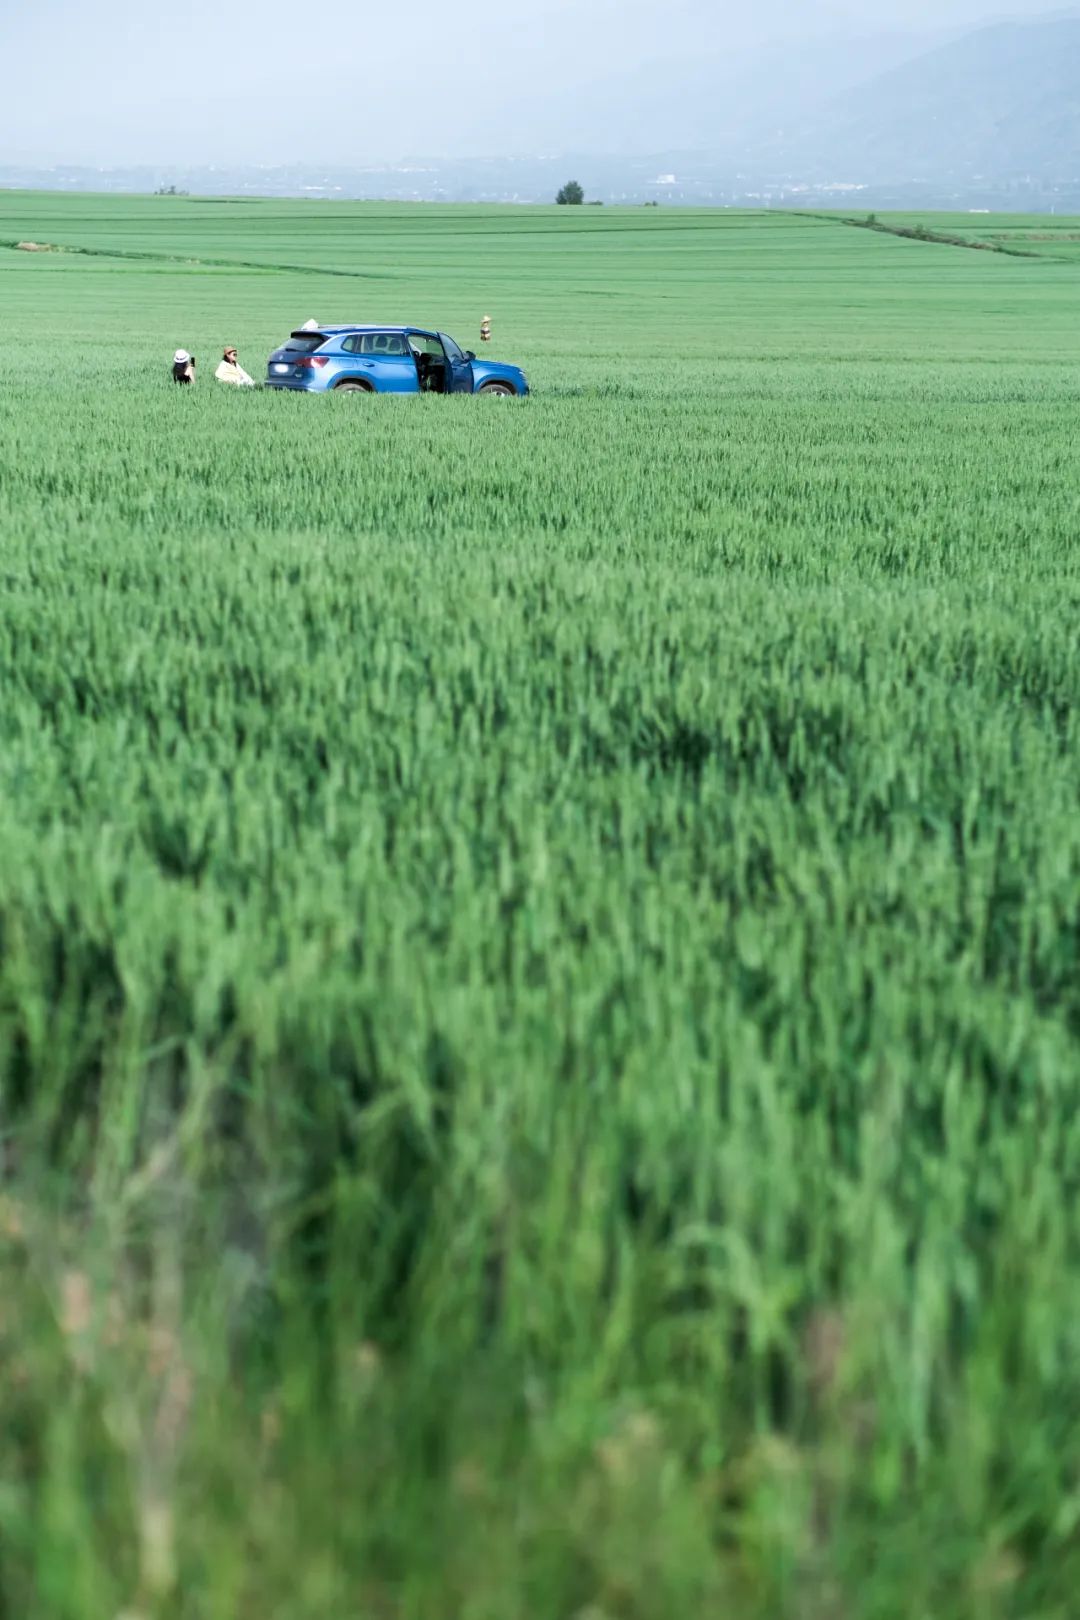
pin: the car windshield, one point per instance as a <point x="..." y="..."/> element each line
<point x="304" y="342"/>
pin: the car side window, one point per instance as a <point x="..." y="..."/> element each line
<point x="385" y="343"/>
<point x="453" y="353"/>
<point x="424" y="343"/>
<point x="375" y="343"/>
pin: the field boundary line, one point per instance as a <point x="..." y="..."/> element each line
<point x="147" y="256"/>
<point x="920" y="233"/>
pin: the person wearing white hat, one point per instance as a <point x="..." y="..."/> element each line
<point x="183" y="367"/>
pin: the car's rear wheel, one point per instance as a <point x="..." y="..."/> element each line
<point x="499" y="389"/>
<point x="353" y="388"/>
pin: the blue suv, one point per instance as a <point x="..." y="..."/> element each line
<point x="386" y="360"/>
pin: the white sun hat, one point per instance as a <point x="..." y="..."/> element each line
<point x="180" y="357"/>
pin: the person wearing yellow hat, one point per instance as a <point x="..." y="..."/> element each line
<point x="231" y="371"/>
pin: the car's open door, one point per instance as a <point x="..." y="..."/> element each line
<point x="459" y="377"/>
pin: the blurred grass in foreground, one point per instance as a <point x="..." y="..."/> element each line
<point x="538" y="945"/>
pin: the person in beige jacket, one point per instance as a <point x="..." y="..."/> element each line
<point x="231" y="371"/>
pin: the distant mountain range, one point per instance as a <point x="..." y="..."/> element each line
<point x="1000" y="102"/>
<point x="996" y="101"/>
<point x="986" y="118"/>
<point x="729" y="104"/>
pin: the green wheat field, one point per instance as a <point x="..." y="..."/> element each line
<point x="539" y="940"/>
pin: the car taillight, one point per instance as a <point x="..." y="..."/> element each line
<point x="306" y="361"/>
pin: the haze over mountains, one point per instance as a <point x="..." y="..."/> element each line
<point x="969" y="115"/>
<point x="1002" y="101"/>
<point x="997" y="101"/>
<point x="731" y="101"/>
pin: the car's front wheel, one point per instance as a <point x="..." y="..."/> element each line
<point x="498" y="388"/>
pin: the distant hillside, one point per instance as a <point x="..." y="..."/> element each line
<point x="983" y="119"/>
<point x="718" y="102"/>
<point x="999" y="102"/>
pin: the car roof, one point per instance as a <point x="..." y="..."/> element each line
<point x="332" y="331"/>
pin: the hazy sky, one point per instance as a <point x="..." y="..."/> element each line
<point x="271" y="81"/>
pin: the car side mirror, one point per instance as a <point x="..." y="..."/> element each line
<point x="469" y="355"/>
